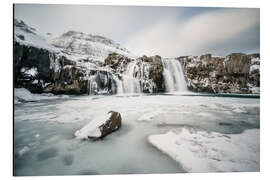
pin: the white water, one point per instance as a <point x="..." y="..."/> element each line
<point x="173" y="76"/>
<point x="92" y="86"/>
<point x="135" y="79"/>
<point x="131" y="84"/>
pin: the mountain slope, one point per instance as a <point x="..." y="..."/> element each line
<point x="29" y="36"/>
<point x="87" y="46"/>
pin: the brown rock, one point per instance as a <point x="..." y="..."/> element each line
<point x="237" y="63"/>
<point x="111" y="125"/>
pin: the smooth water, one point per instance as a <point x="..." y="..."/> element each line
<point x="44" y="143"/>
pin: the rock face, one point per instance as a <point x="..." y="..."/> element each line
<point x="117" y="62"/>
<point x="146" y="70"/>
<point x="236" y="73"/>
<point x="155" y="71"/>
<point x="40" y="70"/>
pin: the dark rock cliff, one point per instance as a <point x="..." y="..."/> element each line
<point x="236" y="73"/>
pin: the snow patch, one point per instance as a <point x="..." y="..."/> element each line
<point x="26" y="35"/>
<point x="31" y="72"/>
<point x="24" y="95"/>
<point x="201" y="151"/>
<point x="254" y="67"/>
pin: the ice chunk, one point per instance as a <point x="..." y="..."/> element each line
<point x="201" y="151"/>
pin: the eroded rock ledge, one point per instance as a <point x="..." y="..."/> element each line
<point x="235" y="73"/>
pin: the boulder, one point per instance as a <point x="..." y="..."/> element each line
<point x="112" y="124"/>
<point x="100" y="126"/>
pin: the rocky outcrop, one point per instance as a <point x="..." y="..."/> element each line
<point x="147" y="70"/>
<point x="117" y="62"/>
<point x="155" y="71"/>
<point x="236" y="73"/>
<point x="40" y="70"/>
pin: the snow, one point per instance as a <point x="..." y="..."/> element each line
<point x="254" y="67"/>
<point x="197" y="150"/>
<point x="254" y="89"/>
<point x="24" y="95"/>
<point x="28" y="36"/>
<point x="92" y="128"/>
<point x="35" y="81"/>
<point x="31" y="72"/>
<point x="87" y="46"/>
<point x="255" y="60"/>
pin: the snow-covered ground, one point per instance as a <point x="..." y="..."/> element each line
<point x="45" y="143"/>
<point x="200" y="151"/>
<point x="23" y="95"/>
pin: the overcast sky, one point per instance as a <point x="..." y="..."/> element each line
<point x="167" y="31"/>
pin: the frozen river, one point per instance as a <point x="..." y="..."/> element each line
<point x="149" y="141"/>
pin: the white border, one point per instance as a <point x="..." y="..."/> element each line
<point x="6" y="86"/>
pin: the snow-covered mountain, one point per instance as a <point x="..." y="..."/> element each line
<point x="88" y="46"/>
<point x="29" y="36"/>
<point x="74" y="45"/>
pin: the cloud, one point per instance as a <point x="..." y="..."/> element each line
<point x="200" y="34"/>
<point x="115" y="22"/>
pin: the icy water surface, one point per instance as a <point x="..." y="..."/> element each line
<point x="44" y="142"/>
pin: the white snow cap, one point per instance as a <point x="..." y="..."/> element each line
<point x="92" y="128"/>
<point x="29" y="36"/>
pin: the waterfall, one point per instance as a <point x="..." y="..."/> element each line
<point x="173" y="76"/>
<point x="92" y="85"/>
<point x="119" y="85"/>
<point x="134" y="78"/>
<point x="131" y="78"/>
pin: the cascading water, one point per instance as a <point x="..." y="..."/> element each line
<point x="131" y="84"/>
<point x="102" y="82"/>
<point x="173" y="76"/>
<point x="92" y="85"/>
<point x="135" y="79"/>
